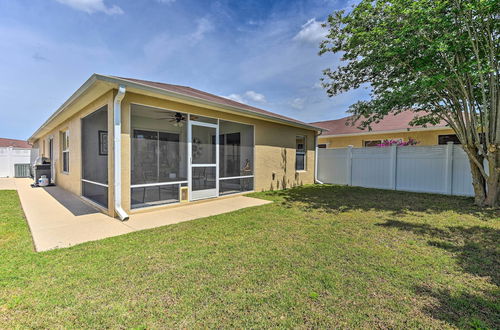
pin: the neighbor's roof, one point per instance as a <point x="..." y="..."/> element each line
<point x="4" y="143"/>
<point x="390" y="123"/>
<point x="175" y="91"/>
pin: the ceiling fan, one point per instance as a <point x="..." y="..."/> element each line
<point x="178" y="117"/>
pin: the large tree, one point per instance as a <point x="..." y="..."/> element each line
<point x="436" y="57"/>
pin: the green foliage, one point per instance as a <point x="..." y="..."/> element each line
<point x="409" y="52"/>
<point x="436" y="57"/>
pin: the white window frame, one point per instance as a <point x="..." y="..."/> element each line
<point x="65" y="149"/>
<point x="301" y="152"/>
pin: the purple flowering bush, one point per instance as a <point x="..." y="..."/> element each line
<point x="399" y="143"/>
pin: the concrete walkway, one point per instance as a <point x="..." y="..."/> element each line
<point x="59" y="219"/>
<point x="7" y="184"/>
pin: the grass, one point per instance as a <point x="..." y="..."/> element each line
<point x="320" y="256"/>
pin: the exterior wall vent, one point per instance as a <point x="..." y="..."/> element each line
<point x="183" y="194"/>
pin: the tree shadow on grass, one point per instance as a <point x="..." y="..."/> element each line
<point x="476" y="248"/>
<point x="336" y="198"/>
<point x="477" y="251"/>
<point x="463" y="310"/>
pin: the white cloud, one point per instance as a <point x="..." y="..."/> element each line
<point x="256" y="97"/>
<point x="204" y="25"/>
<point x="312" y="32"/>
<point x="248" y="96"/>
<point x="235" y="97"/>
<point x="92" y="6"/>
<point x="298" y="103"/>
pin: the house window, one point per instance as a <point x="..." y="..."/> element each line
<point x="300" y="153"/>
<point x="371" y="143"/>
<point x="322" y="146"/>
<point x="65" y="150"/>
<point x="444" y="139"/>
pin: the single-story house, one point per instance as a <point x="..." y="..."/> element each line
<point x="128" y="145"/>
<point x="21" y="144"/>
<point x="339" y="133"/>
<point x="14" y="153"/>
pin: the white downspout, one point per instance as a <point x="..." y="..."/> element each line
<point x="316" y="159"/>
<point x="117" y="109"/>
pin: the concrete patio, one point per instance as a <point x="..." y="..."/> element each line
<point x="59" y="219"/>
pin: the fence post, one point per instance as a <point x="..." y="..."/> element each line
<point x="349" y="165"/>
<point x="10" y="161"/>
<point x="392" y="167"/>
<point x="448" y="180"/>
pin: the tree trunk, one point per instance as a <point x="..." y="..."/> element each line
<point x="479" y="185"/>
<point x="493" y="182"/>
<point x="478" y="180"/>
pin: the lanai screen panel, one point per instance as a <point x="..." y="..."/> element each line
<point x="236" y="157"/>
<point x="158" y="154"/>
<point x="95" y="156"/>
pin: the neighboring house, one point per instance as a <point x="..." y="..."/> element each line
<point x="21" y="144"/>
<point x="14" y="152"/>
<point x="339" y="133"/>
<point x="175" y="143"/>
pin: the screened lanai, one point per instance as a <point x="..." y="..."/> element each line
<point x="173" y="151"/>
<point x="95" y="156"/>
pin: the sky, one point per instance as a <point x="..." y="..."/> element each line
<point x="263" y="53"/>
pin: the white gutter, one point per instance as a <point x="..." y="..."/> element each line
<point x="117" y="110"/>
<point x="316" y="160"/>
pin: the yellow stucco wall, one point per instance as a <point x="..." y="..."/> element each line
<point x="425" y="138"/>
<point x="71" y="181"/>
<point x="274" y="153"/>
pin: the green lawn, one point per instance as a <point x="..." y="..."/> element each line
<point x="320" y="256"/>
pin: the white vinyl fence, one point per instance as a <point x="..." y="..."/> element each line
<point x="9" y="157"/>
<point x="442" y="169"/>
